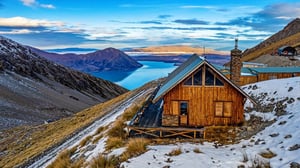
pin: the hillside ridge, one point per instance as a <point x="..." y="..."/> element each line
<point x="289" y="35"/>
<point x="33" y="89"/>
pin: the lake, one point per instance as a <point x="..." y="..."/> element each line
<point x="150" y="70"/>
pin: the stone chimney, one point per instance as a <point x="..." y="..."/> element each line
<point x="235" y="64"/>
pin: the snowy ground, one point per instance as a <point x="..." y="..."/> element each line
<point x="282" y="137"/>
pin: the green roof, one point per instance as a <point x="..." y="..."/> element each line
<point x="187" y="68"/>
<point x="276" y="70"/>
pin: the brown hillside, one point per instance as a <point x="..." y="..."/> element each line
<point x="290" y="35"/>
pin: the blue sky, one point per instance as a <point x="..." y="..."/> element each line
<point x="49" y="24"/>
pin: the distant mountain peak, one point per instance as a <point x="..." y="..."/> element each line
<point x="101" y="60"/>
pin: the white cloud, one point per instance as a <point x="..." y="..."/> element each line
<point x="25" y="22"/>
<point x="48" y="6"/>
<point x="35" y="3"/>
<point x="197" y="6"/>
<point x="28" y="2"/>
<point x="21" y="31"/>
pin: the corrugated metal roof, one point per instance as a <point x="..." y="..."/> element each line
<point x="187" y="68"/>
<point x="276" y="69"/>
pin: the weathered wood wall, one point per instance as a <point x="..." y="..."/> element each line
<point x="244" y="80"/>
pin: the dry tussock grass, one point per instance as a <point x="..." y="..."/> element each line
<point x="268" y="154"/>
<point x="32" y="141"/>
<point x="175" y="152"/>
<point x="63" y="160"/>
<point x="135" y="147"/>
<point x="114" y="142"/>
<point x="44" y="137"/>
<point x="104" y="162"/>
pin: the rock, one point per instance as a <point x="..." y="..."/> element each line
<point x="294" y="165"/>
<point x="290" y="89"/>
<point x="281" y="122"/>
<point x="288" y="136"/>
<point x="295" y="147"/>
<point x="274" y="135"/>
<point x="291" y="100"/>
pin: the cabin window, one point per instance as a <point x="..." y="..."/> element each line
<point x="219" y="82"/>
<point x="227" y="109"/>
<point x="223" y="109"/>
<point x="203" y="76"/>
<point x="198" y="78"/>
<point x="272" y="77"/>
<point x="219" y="109"/>
<point x="183" y="108"/>
<point x="189" y="81"/>
<point x="209" y="78"/>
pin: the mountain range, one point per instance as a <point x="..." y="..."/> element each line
<point x="109" y="59"/>
<point x="34" y="89"/>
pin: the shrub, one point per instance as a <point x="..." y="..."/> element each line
<point x="63" y="161"/>
<point x="117" y="130"/>
<point x="97" y="138"/>
<point x="104" y="162"/>
<point x="197" y="150"/>
<point x="135" y="147"/>
<point x="114" y="142"/>
<point x="130" y="112"/>
<point x="268" y="154"/>
<point x="175" y="152"/>
<point x="85" y="141"/>
<point x="99" y="130"/>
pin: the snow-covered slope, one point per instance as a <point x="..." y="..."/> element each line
<point x="282" y="138"/>
<point x="277" y="145"/>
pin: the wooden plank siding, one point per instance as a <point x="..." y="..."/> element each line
<point x="268" y="76"/>
<point x="202" y="101"/>
<point x="244" y="80"/>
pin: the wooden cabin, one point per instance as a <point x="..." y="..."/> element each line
<point x="196" y="94"/>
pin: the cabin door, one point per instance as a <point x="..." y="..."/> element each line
<point x="184" y="112"/>
<point x="180" y="109"/>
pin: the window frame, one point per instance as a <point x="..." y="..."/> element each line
<point x="180" y="108"/>
<point x="223" y="109"/>
<point x="204" y="70"/>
